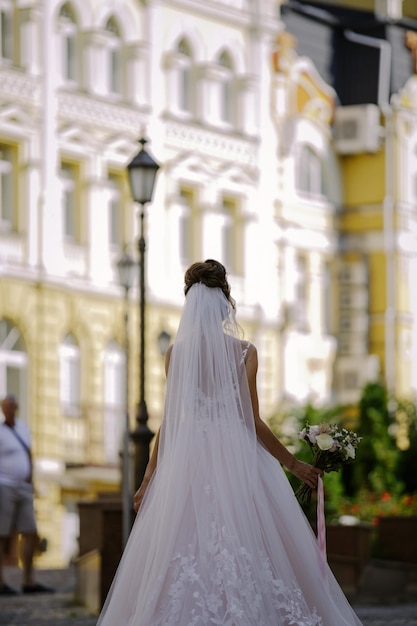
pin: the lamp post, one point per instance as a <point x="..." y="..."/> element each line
<point x="142" y="173"/>
<point x="125" y="268"/>
<point x="164" y="340"/>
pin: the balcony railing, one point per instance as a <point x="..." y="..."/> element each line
<point x="91" y="435"/>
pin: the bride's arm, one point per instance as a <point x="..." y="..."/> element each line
<point x="305" y="472"/>
<point x="151" y="467"/>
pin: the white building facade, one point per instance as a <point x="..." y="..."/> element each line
<point x="80" y="82"/>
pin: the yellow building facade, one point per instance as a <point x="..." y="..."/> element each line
<point x="371" y="157"/>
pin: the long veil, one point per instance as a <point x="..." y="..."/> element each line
<point x="219" y="538"/>
<point x="207" y="398"/>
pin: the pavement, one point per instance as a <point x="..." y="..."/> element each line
<point x="60" y="609"/>
<point x="57" y="609"/>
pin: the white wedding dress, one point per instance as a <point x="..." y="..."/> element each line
<point x="220" y="538"/>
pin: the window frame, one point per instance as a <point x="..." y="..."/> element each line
<point x="8" y="220"/>
<point x="185" y="77"/>
<point x="6" y="38"/>
<point x="13" y="355"/>
<point x="190" y="245"/>
<point x="69" y="32"/>
<point x="114" y="371"/>
<point x="227" y="105"/>
<point x="115" y="80"/>
<point x="232" y="232"/>
<point x="115" y="205"/>
<point x="70" y="189"/>
<point x="309" y="177"/>
<point x="70" y="376"/>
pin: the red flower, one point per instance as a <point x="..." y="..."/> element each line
<point x="386" y="497"/>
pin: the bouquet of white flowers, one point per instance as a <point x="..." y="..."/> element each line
<point x="332" y="447"/>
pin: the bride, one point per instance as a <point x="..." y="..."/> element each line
<point x="219" y="538"/>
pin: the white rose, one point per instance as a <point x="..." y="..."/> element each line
<point x="312" y="433"/>
<point x="302" y="434"/>
<point x="324" y="441"/>
<point x="350" y="451"/>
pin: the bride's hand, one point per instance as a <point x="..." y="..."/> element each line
<point x="306" y="472"/>
<point x="138" y="497"/>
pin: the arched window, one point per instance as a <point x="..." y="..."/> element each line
<point x="13" y="364"/>
<point x="70" y="376"/>
<point x="189" y="225"/>
<point x="309" y="174"/>
<point x="232" y="235"/>
<point x="114" y="401"/>
<point x="69" y="44"/>
<point x="69" y="177"/>
<point x="115" y="204"/>
<point x="226" y="105"/>
<point x="6" y="30"/>
<point x="185" y="77"/>
<point x="301" y="288"/>
<point x="114" y="57"/>
<point x="7" y="171"/>
<point x="413" y="177"/>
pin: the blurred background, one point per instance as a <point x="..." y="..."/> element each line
<point x="286" y="135"/>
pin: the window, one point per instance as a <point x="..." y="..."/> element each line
<point x="185" y="77"/>
<point x="301" y="291"/>
<point x="6" y="30"/>
<point x="309" y="177"/>
<point x="115" y="210"/>
<point x="69" y="41"/>
<point x="114" y="58"/>
<point x="328" y="298"/>
<point x="114" y="401"/>
<point x="345" y="298"/>
<point x="70" y="200"/>
<point x="350" y="380"/>
<point x="70" y="376"/>
<point x="345" y="322"/>
<point x="6" y="188"/>
<point x="226" y="109"/>
<point x="301" y="279"/>
<point x="413" y="176"/>
<point x="13" y="365"/>
<point x="189" y="233"/>
<point x="231" y="236"/>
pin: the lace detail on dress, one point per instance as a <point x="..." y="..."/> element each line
<point x="231" y="595"/>
<point x="245" y="352"/>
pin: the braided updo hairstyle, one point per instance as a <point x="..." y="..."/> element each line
<point x="212" y="274"/>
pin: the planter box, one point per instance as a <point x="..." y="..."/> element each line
<point x="397" y="539"/>
<point x="348" y="552"/>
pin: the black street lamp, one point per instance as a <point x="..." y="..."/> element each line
<point x="142" y="173"/>
<point x="164" y="340"/>
<point x="126" y="269"/>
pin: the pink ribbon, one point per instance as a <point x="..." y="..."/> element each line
<point x="321" y="528"/>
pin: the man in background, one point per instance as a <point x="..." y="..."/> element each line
<point x="16" y="495"/>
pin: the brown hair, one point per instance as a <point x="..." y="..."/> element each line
<point x="212" y="274"/>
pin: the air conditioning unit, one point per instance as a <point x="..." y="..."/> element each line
<point x="357" y="129"/>
<point x="353" y="274"/>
